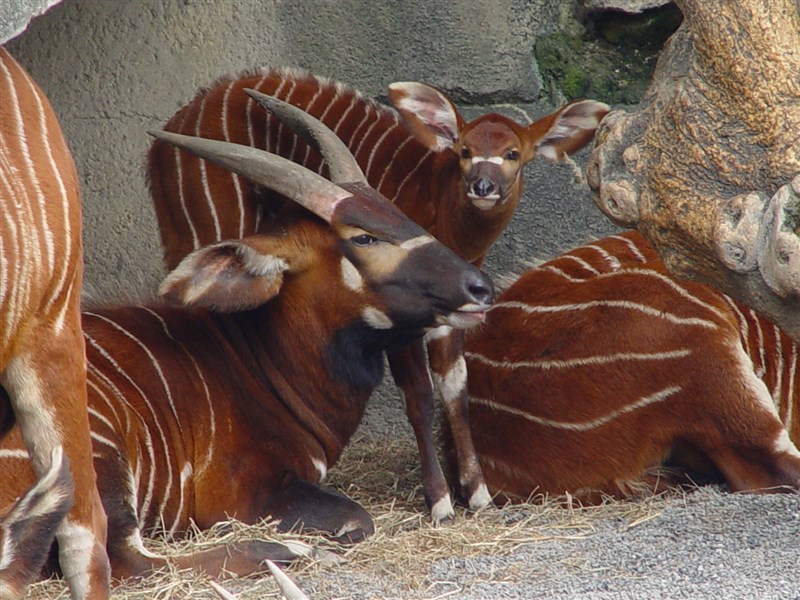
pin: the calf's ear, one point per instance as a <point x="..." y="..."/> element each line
<point x="228" y="276"/>
<point x="429" y="115"/>
<point x="568" y="129"/>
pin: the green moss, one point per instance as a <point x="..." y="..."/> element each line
<point x="575" y="67"/>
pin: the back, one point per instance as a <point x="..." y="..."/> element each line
<point x="594" y="367"/>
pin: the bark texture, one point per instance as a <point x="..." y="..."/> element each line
<point x="707" y="167"/>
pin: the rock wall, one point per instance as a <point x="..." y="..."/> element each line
<point x="114" y="69"/>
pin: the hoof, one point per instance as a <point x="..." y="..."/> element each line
<point x="480" y="499"/>
<point x="442" y="511"/>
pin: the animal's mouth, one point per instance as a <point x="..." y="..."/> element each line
<point x="484" y="202"/>
<point x="466" y="316"/>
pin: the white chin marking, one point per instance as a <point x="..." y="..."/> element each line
<point x="376" y="319"/>
<point x="481" y="498"/>
<point x="463" y="320"/>
<point x="484" y="202"/>
<point x="442" y="510"/>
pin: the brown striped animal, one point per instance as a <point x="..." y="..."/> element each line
<point x="238" y="402"/>
<point x="459" y="180"/>
<point x="595" y="368"/>
<point x="42" y="357"/>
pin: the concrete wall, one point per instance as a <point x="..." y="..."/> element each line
<point x="115" y="68"/>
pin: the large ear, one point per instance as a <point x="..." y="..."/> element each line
<point x="228" y="276"/>
<point x="568" y="129"/>
<point x="429" y="114"/>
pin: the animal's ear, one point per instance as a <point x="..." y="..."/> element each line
<point x="229" y="276"/>
<point x="429" y="114"/>
<point x="568" y="129"/>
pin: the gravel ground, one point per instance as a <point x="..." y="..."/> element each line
<point x="706" y="544"/>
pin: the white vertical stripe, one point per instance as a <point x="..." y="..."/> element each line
<point x="178" y="155"/>
<point x="66" y="205"/>
<point x="144" y="509"/>
<point x="790" y="388"/>
<point x="411" y="176"/>
<point x="762" y="368"/>
<point x="202" y="165"/>
<point x="212" y="417"/>
<point x="278" y="124"/>
<point x="634" y="248"/>
<point x="387" y="168"/>
<point x="777" y="392"/>
<point x="375" y="148"/>
<point x="234" y="178"/>
<point x="295" y="138"/>
<point x="149" y="448"/>
<point x="611" y="261"/>
<point x="367" y="132"/>
<point x="251" y="138"/>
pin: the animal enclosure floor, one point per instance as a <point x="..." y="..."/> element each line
<point x="700" y="545"/>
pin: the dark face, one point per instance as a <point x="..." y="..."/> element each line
<point x="491" y="160"/>
<point x="417" y="280"/>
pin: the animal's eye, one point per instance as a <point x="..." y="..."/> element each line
<point x="364" y="239"/>
<point x="465" y="153"/>
<point x="512" y="155"/>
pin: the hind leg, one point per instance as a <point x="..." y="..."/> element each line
<point x="28" y="529"/>
<point x="753" y="453"/>
<point x="313" y="507"/>
<point x="47" y="388"/>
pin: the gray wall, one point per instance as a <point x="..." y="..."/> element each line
<point x="115" y="68"/>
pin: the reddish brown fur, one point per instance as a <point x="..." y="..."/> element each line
<point x="42" y="363"/>
<point x="400" y="159"/>
<point x="198" y="416"/>
<point x="719" y="417"/>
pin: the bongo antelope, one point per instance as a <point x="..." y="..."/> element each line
<point x="238" y="402"/>
<point x="459" y="180"/>
<point x="42" y="358"/>
<point x="596" y="367"/>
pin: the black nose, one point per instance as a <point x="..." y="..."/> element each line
<point x="479" y="287"/>
<point x="484" y="187"/>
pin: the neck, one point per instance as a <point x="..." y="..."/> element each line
<point x="325" y="385"/>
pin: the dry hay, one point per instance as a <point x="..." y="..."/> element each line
<point x="383" y="475"/>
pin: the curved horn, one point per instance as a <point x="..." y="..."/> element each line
<point x="294" y="181"/>
<point x="341" y="163"/>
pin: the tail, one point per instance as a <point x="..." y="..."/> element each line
<point x="28" y="529"/>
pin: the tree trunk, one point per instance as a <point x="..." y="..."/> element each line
<point x="707" y="167"/>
